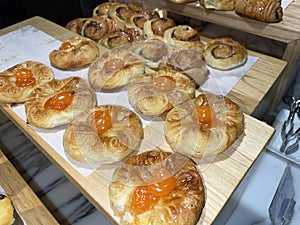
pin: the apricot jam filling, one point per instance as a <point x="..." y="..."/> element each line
<point x="24" y="77"/>
<point x="59" y="101"/>
<point x="100" y="120"/>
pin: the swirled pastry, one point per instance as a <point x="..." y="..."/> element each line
<point x="118" y="12"/>
<point x="182" y="1"/>
<point x="189" y="62"/>
<point x="157" y="27"/>
<point x="74" y="53"/>
<point x="156" y="93"/>
<point x="6" y="210"/>
<point x="226" y="5"/>
<point x="157" y="187"/>
<point x="151" y="51"/>
<point x="17" y="82"/>
<point x="102" y="9"/>
<point x="184" y="36"/>
<point x="114" y="69"/>
<point x="103" y="134"/>
<point x="58" y="102"/>
<point x="263" y="10"/>
<point x="76" y="25"/>
<point x="121" y="38"/>
<point x="137" y="21"/>
<point x="204" y="126"/>
<point x="225" y="53"/>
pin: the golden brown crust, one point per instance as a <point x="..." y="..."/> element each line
<point x="83" y="143"/>
<point x="182" y="1"/>
<point x="82" y="52"/>
<point x="184" y="36"/>
<point x="150" y="97"/>
<point x="102" y="9"/>
<point x="184" y="134"/>
<point x="225" y="53"/>
<point x="6" y="210"/>
<point x="263" y="10"/>
<point x="76" y="25"/>
<point x="157" y="27"/>
<point x="226" y="5"/>
<point x="11" y="93"/>
<point x="182" y="206"/>
<point x="114" y="69"/>
<point x="37" y="115"/>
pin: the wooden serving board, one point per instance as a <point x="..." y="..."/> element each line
<point x="221" y="175"/>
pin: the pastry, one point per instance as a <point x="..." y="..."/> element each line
<point x="6" y="211"/>
<point x="262" y="10"/>
<point x="118" y="12"/>
<point x="157" y="187"/>
<point x="102" y="9"/>
<point x="184" y="36"/>
<point x="114" y="69"/>
<point x="121" y="38"/>
<point x="157" y="27"/>
<point x="17" y="82"/>
<point x="76" y="25"/>
<point x="58" y="102"/>
<point x="138" y="20"/>
<point x="103" y="134"/>
<point x="182" y="1"/>
<point x="225" y="5"/>
<point x="189" y="62"/>
<point x="204" y="126"/>
<point x="225" y="53"/>
<point x="74" y="53"/>
<point x="151" y="51"/>
<point x="156" y="93"/>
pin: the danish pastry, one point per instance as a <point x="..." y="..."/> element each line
<point x="204" y="126"/>
<point x="184" y="36"/>
<point x="181" y="1"/>
<point x="189" y="62"/>
<point x="157" y="187"/>
<point x="264" y="10"/>
<point x="76" y="52"/>
<point x="58" y="102"/>
<point x="103" y="134"/>
<point x="76" y="25"/>
<point x="114" y="69"/>
<point x="225" y="53"/>
<point x="156" y="93"/>
<point x="137" y="21"/>
<point x="121" y="38"/>
<point x="151" y="51"/>
<point x="17" y="82"/>
<point x="157" y="27"/>
<point x="102" y="9"/>
<point x="225" y="5"/>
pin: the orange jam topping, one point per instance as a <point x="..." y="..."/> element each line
<point x="100" y="120"/>
<point x="145" y="197"/>
<point x="164" y="83"/>
<point x="60" y="101"/>
<point x="65" y="45"/>
<point x="205" y="116"/>
<point x="24" y="77"/>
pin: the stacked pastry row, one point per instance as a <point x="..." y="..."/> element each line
<point x="116" y="25"/>
<point x="263" y="10"/>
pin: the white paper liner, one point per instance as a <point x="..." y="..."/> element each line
<point x="29" y="43"/>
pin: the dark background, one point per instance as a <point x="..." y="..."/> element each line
<point x="58" y="11"/>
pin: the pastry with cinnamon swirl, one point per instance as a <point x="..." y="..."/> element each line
<point x="159" y="188"/>
<point x="103" y="134"/>
<point x="121" y="38"/>
<point x="157" y="27"/>
<point x="225" y="53"/>
<point x="75" y="52"/>
<point x="17" y="82"/>
<point x="263" y="10"/>
<point x="114" y="69"/>
<point x="158" y="92"/>
<point x="58" y="102"/>
<point x="184" y="36"/>
<point x="204" y="126"/>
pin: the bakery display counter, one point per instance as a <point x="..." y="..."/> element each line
<point x="286" y="31"/>
<point x="29" y="207"/>
<point x="221" y="175"/>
